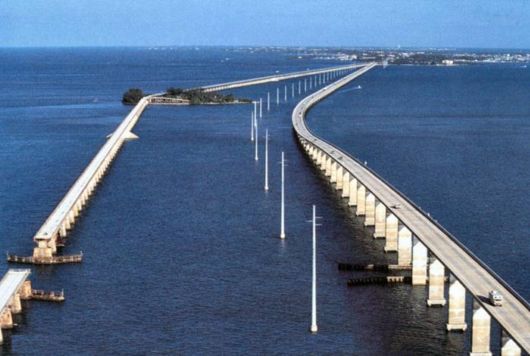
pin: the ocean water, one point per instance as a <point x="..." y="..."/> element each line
<point x="181" y="243"/>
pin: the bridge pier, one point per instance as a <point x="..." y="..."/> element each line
<point x="329" y="161"/>
<point x="353" y="192"/>
<point x="391" y="233"/>
<point x="361" y="200"/>
<point x="508" y="346"/>
<point x="436" y="283"/>
<point x="404" y="246"/>
<point x="457" y="306"/>
<point x="369" y="210"/>
<point x="15" y="305"/>
<point x="380" y="220"/>
<point x="346" y="184"/>
<point x="319" y="155"/>
<point x="339" y="177"/>
<point x="6" y="319"/>
<point x="25" y="290"/>
<point x="480" y="338"/>
<point x="333" y="177"/>
<point x="419" y="263"/>
<point x="42" y="250"/>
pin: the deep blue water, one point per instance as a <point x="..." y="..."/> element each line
<point x="181" y="243"/>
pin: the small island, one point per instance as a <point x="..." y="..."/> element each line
<point x="178" y="96"/>
<point x="199" y="96"/>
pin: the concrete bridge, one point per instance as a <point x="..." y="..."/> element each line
<point x="14" y="287"/>
<point x="419" y="240"/>
<point x="53" y="232"/>
<point x="327" y="72"/>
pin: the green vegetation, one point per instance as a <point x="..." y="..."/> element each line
<point x="199" y="96"/>
<point x="132" y="96"/>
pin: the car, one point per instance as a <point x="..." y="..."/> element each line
<point x="495" y="298"/>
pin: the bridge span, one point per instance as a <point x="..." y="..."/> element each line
<point x="55" y="228"/>
<point x="419" y="240"/>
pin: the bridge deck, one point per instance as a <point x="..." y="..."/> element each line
<point x="10" y="284"/>
<point x="276" y="78"/>
<point x="478" y="279"/>
<point x="51" y="226"/>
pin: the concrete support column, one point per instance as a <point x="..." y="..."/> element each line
<point x="361" y="200"/>
<point x="312" y="151"/>
<point x="62" y="230"/>
<point x="369" y="210"/>
<point x="71" y="217"/>
<point x="346" y="185"/>
<point x="419" y="263"/>
<point x="329" y="161"/>
<point x="25" y="290"/>
<point x="480" y="338"/>
<point x="457" y="306"/>
<point x="67" y="223"/>
<point x="353" y="192"/>
<point x="334" y="169"/>
<point x="6" y="319"/>
<point x="391" y="233"/>
<point x="15" y="305"/>
<point x="404" y="246"/>
<point x="320" y="158"/>
<point x="42" y="250"/>
<point x="436" y="283"/>
<point x="340" y="177"/>
<point x="380" y="220"/>
<point x="509" y="347"/>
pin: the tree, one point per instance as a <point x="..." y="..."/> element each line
<point x="132" y="96"/>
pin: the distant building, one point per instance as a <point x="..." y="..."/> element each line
<point x="448" y="62"/>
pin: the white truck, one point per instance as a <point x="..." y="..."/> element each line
<point x="495" y="298"/>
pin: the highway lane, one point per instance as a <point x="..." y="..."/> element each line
<point x="478" y="279"/>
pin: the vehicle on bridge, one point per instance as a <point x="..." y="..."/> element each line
<point x="495" y="298"/>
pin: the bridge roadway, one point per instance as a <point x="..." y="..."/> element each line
<point x="62" y="218"/>
<point x="475" y="275"/>
<point x="276" y="78"/>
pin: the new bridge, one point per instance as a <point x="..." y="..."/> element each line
<point x="419" y="240"/>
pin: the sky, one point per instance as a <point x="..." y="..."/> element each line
<point x="348" y="23"/>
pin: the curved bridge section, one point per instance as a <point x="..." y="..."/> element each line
<point x="419" y="240"/>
